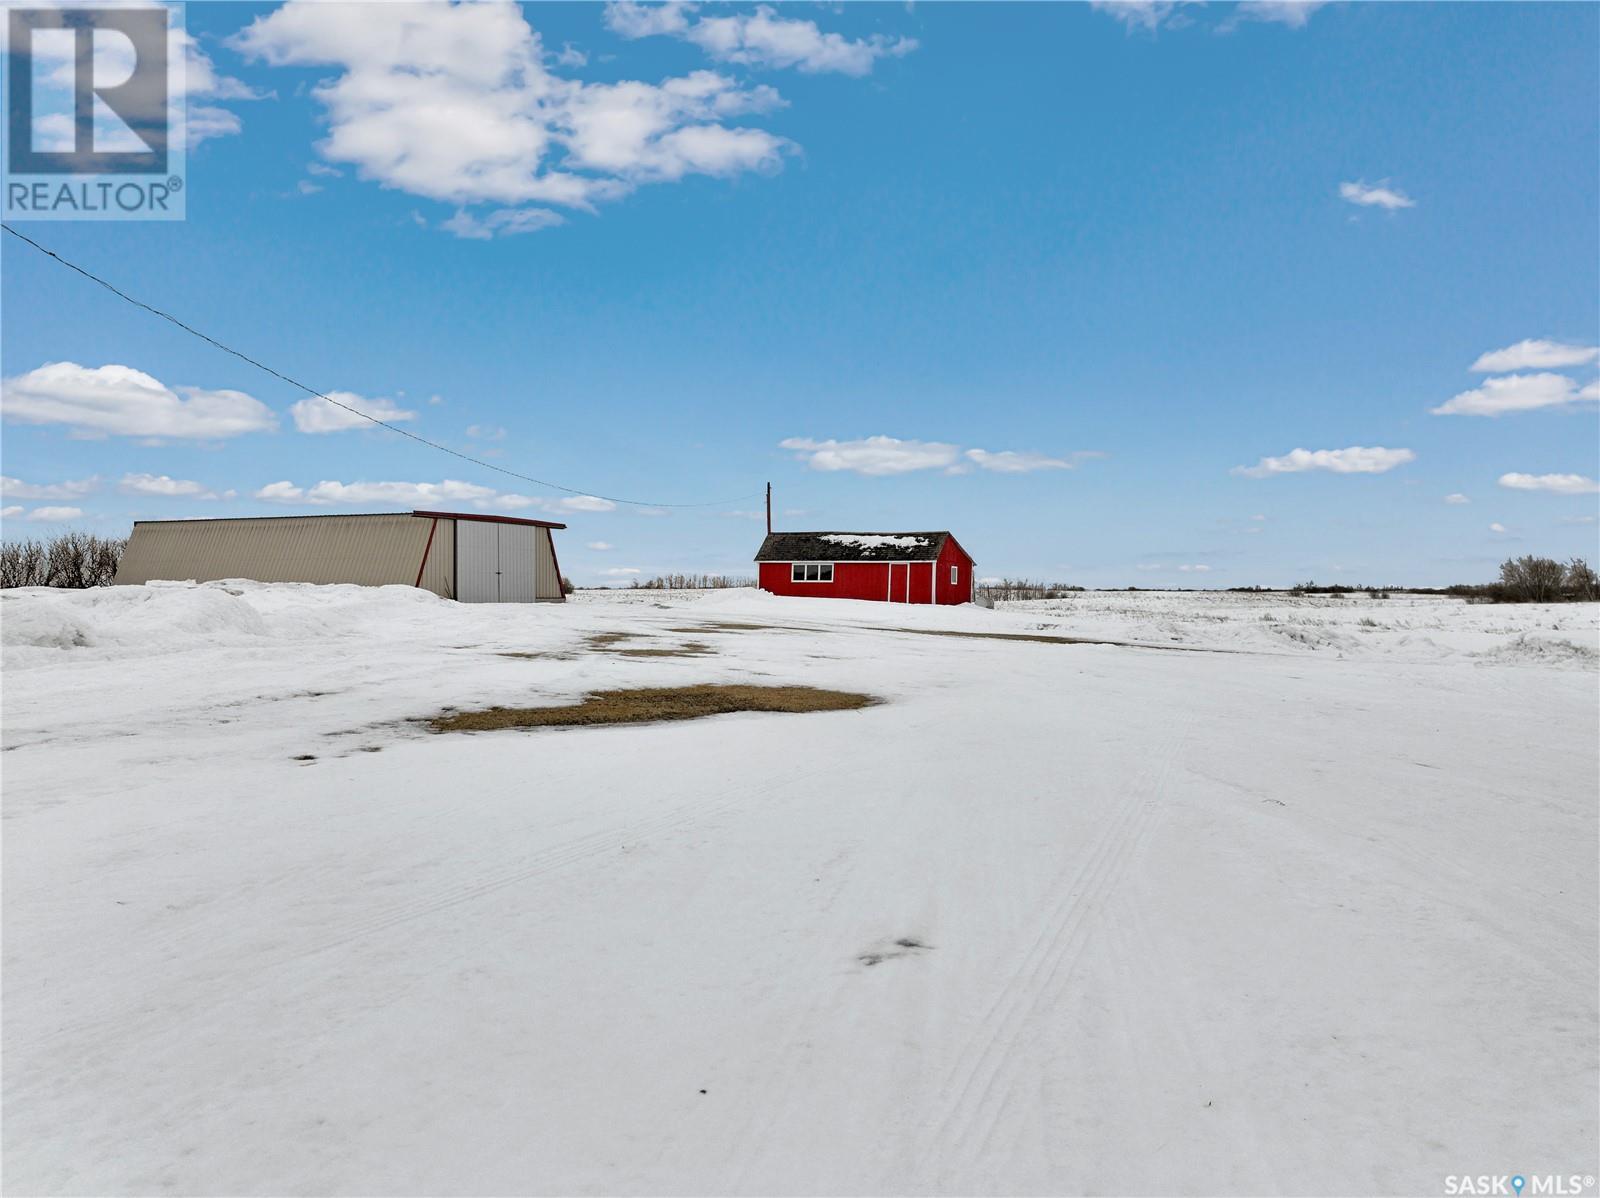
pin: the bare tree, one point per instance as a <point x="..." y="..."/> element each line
<point x="22" y="564"/>
<point x="1581" y="582"/>
<point x="74" y="560"/>
<point x="1532" y="579"/>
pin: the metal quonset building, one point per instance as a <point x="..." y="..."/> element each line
<point x="457" y="555"/>
<point x="896" y="567"/>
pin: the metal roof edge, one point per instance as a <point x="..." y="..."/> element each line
<point x="488" y="519"/>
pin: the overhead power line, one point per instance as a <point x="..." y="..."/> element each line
<point x="312" y="391"/>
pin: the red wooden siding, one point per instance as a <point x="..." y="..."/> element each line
<point x="894" y="582"/>
<point x="959" y="591"/>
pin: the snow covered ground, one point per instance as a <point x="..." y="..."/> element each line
<point x="1301" y="897"/>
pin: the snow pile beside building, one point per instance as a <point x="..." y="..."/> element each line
<point x="155" y="619"/>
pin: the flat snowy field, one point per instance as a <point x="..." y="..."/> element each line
<point x="1299" y="897"/>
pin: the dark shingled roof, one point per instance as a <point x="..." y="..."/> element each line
<point x="821" y="547"/>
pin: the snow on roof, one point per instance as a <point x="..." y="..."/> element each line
<point x="869" y="541"/>
<point x="851" y="546"/>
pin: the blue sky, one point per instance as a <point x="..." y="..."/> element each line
<point x="1074" y="282"/>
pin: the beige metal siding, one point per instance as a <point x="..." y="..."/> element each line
<point x="369" y="550"/>
<point x="439" y="575"/>
<point x="546" y="579"/>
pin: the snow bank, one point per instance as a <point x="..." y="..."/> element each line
<point x="156" y="619"/>
<point x="1543" y="651"/>
<point x="38" y="623"/>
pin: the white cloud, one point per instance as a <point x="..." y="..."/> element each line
<point x="124" y="402"/>
<point x="1561" y="484"/>
<point x="1148" y="15"/>
<point x="1498" y="527"/>
<point x="10" y="510"/>
<point x="600" y="546"/>
<point x="1198" y="568"/>
<point x="1456" y="497"/>
<point x="456" y="103"/>
<point x="402" y="494"/>
<point x="1535" y="354"/>
<point x="425" y="495"/>
<point x="1358" y="459"/>
<point x="579" y="503"/>
<point x="501" y="222"/>
<point x="619" y="571"/>
<point x="315" y="415"/>
<point x="1293" y="13"/>
<point x="758" y="39"/>
<point x="486" y="432"/>
<point x="1379" y="195"/>
<point x="1515" y="393"/>
<point x="161" y="484"/>
<point x="1011" y="462"/>
<point x="872" y="455"/>
<point x="54" y="515"/>
<point x="202" y="122"/>
<point x="15" y="488"/>
<point x="891" y="455"/>
<point x="647" y="20"/>
<point x="570" y="56"/>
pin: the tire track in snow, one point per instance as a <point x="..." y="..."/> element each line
<point x="980" y="1085"/>
<point x="1129" y="942"/>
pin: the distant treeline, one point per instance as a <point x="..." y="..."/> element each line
<point x="1011" y="589"/>
<point x="690" y="582"/>
<point x="1522" y="580"/>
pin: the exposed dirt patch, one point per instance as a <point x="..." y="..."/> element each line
<point x="728" y="626"/>
<point x="529" y="655"/>
<point x="688" y="649"/>
<point x="905" y="946"/>
<point x="649" y="705"/>
<point x="604" y="640"/>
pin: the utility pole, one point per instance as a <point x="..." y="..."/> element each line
<point x="769" y="509"/>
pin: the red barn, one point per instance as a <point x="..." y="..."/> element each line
<point x="893" y="567"/>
